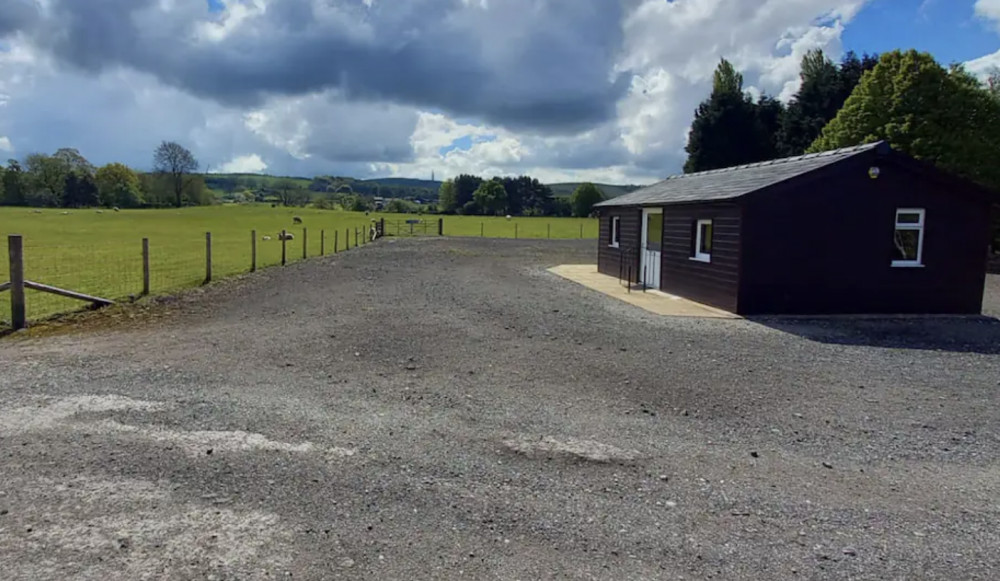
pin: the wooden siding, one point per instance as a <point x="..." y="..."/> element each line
<point x="715" y="283"/>
<point x="615" y="261"/>
<point x="825" y="246"/>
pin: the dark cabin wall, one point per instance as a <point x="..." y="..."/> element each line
<point x="826" y="244"/>
<point x="614" y="261"/>
<point x="715" y="283"/>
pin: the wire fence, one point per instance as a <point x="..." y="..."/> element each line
<point x="125" y="268"/>
<point x="157" y="265"/>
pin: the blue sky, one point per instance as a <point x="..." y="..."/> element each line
<point x="948" y="29"/>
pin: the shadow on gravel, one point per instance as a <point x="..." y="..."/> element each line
<point x="954" y="334"/>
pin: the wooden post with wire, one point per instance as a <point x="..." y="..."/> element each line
<point x="440" y="226"/>
<point x="253" y="251"/>
<point x="284" y="248"/>
<point x="322" y="242"/>
<point x="336" y="240"/>
<point x="208" y="257"/>
<point x="145" y="266"/>
<point x="15" y="250"/>
<point x="305" y="244"/>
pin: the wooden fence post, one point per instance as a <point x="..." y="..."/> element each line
<point x="253" y="251"/>
<point x="208" y="257"/>
<point x="482" y="230"/>
<point x="145" y="266"/>
<point x="581" y="230"/>
<point x="440" y="226"/>
<point x="336" y="240"/>
<point x="347" y="239"/>
<point x="15" y="250"/>
<point x="515" y="230"/>
<point x="284" y="248"/>
<point x="548" y="230"/>
<point x="305" y="244"/>
<point x="322" y="242"/>
<point x="355" y="237"/>
<point x="382" y="226"/>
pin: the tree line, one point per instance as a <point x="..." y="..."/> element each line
<point x="513" y="196"/>
<point x="66" y="179"/>
<point x="943" y="115"/>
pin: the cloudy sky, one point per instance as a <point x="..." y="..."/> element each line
<point x="562" y="89"/>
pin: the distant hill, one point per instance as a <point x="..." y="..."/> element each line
<point x="386" y="187"/>
<point x="611" y="191"/>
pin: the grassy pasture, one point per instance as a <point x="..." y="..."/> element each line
<point x="101" y="253"/>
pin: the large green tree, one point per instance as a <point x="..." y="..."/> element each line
<point x="80" y="190"/>
<point x="46" y="179"/>
<point x="584" y="199"/>
<point x="944" y="116"/>
<point x="118" y="185"/>
<point x="14" y="185"/>
<point x="447" y="198"/>
<point x="465" y="186"/>
<point x="490" y="197"/>
<point x="727" y="129"/>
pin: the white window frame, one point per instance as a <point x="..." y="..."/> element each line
<point x="700" y="256"/>
<point x="918" y="226"/>
<point x="616" y="228"/>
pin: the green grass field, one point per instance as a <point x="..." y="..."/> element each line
<point x="101" y="253"/>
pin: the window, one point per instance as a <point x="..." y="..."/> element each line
<point x="908" y="238"/>
<point x="616" y="231"/>
<point x="703" y="241"/>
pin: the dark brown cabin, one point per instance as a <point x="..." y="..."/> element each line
<point x="863" y="230"/>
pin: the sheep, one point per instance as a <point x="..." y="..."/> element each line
<point x="296" y="220"/>
<point x="266" y="238"/>
<point x="116" y="209"/>
<point x="100" y="211"/>
<point x="286" y="236"/>
<point x="65" y="213"/>
<point x="36" y="211"/>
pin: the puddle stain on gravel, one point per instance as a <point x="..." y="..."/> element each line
<point x="61" y="414"/>
<point x="135" y="529"/>
<point x="589" y="450"/>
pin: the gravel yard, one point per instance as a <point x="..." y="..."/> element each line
<point x="444" y="408"/>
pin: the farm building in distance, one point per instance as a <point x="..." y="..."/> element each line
<point x="852" y="231"/>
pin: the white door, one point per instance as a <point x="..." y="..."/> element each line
<point x="652" y="242"/>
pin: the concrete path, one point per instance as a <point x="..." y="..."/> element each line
<point x="653" y="301"/>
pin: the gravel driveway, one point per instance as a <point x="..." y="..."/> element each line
<point x="446" y="408"/>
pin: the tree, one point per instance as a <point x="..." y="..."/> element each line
<point x="770" y="113"/>
<point x="118" y="185"/>
<point x="447" y="197"/>
<point x="14" y="185"/>
<point x="80" y="190"/>
<point x="490" y="197"/>
<point x="584" y="198"/>
<point x="726" y="130"/>
<point x="46" y="179"/>
<point x="173" y="160"/>
<point x="993" y="83"/>
<point x="822" y="93"/>
<point x="74" y="161"/>
<point x="465" y="186"/>
<point x="943" y="116"/>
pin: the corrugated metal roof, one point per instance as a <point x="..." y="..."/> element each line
<point x="734" y="182"/>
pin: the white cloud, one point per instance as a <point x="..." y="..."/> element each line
<point x="664" y="52"/>
<point x="243" y="164"/>
<point x="5" y="144"/>
<point x="990" y="10"/>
